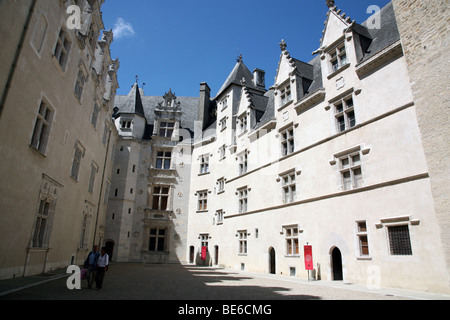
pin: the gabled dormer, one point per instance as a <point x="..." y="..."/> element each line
<point x="293" y="80"/>
<point x="167" y="118"/>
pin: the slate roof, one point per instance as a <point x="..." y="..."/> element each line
<point x="138" y="103"/>
<point x="239" y="72"/>
<point x="386" y="35"/>
<point x="376" y="40"/>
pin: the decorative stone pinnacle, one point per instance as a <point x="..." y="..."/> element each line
<point x="283" y="45"/>
<point x="330" y="4"/>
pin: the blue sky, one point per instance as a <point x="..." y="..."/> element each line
<point x="177" y="44"/>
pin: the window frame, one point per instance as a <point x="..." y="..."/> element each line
<point x="342" y="111"/>
<point x="285" y="94"/>
<point x="243" y="199"/>
<point x="157" y="236"/>
<point x="204" y="164"/>
<point x="42" y="127"/>
<point x="62" y="48"/>
<point x="157" y="193"/>
<point x="335" y="57"/>
<point x="362" y="233"/>
<point x="289" y="187"/>
<point x="166" y="129"/>
<point x="287" y="137"/>
<point x="76" y="161"/>
<point x="354" y="181"/>
<point x="243" y="162"/>
<point x="243" y="242"/>
<point x="166" y="156"/>
<point x="202" y="201"/>
<point x="292" y="240"/>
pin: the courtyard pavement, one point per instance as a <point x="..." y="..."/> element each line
<point x="127" y="281"/>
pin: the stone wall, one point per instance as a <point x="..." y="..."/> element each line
<point x="424" y="29"/>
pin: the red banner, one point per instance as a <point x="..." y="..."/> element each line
<point x="308" y="258"/>
<point x="204" y="249"/>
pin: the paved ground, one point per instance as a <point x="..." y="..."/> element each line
<point x="187" y="283"/>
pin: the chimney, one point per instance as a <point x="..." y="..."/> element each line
<point x="259" y="78"/>
<point x="203" y="108"/>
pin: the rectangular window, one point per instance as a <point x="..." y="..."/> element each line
<point x="289" y="187"/>
<point x="204" y="238"/>
<point x="204" y="164"/>
<point x="94" y="170"/>
<point x="243" y="200"/>
<point x="287" y="141"/>
<point x="345" y="114"/>
<point x="79" y="84"/>
<point x="243" y="242"/>
<point x="41" y="224"/>
<point x="351" y="172"/>
<point x="62" y="49"/>
<point x="222" y="152"/>
<point x="242" y="121"/>
<point x="202" y="200"/>
<point x="243" y="162"/>
<point x="221" y="185"/>
<point x="292" y="244"/>
<point x="160" y="198"/>
<point x="157" y="240"/>
<point x="125" y="124"/>
<point x="95" y="113"/>
<point x="79" y="152"/>
<point x="166" y="129"/>
<point x="163" y="159"/>
<point x="223" y="124"/>
<point x="363" y="241"/>
<point x="338" y="57"/>
<point x="285" y="95"/>
<point x="219" y="215"/>
<point x="42" y="128"/>
<point x="399" y="241"/>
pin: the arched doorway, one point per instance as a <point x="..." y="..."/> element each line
<point x="336" y="264"/>
<point x="272" y="262"/>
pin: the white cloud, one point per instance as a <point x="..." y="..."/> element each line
<point x="123" y="29"/>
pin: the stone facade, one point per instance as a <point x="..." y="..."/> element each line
<point x="58" y="86"/>
<point x="330" y="156"/>
<point x="425" y="32"/>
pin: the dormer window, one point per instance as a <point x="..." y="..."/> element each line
<point x="338" y="57"/>
<point x="166" y="129"/>
<point x="285" y="95"/>
<point x="125" y="124"/>
<point x="242" y="123"/>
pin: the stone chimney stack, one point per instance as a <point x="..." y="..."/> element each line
<point x="259" y="78"/>
<point x="204" y="103"/>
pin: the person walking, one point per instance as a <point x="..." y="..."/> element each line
<point x="91" y="265"/>
<point x="102" y="267"/>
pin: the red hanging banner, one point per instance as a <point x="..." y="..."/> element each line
<point x="308" y="258"/>
<point x="204" y="249"/>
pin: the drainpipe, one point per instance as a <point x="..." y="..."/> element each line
<point x="101" y="188"/>
<point x="16" y="57"/>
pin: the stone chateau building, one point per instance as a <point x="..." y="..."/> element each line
<point x="338" y="165"/>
